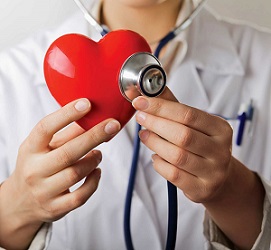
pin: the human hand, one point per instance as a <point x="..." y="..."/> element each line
<point x="192" y="148"/>
<point x="50" y="161"/>
<point x="193" y="151"/>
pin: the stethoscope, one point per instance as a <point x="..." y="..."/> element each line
<point x="144" y="72"/>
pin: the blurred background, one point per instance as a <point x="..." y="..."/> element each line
<point x="21" y="18"/>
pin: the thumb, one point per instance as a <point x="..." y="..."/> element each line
<point x="168" y="95"/>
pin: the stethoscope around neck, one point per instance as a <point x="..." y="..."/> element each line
<point x="144" y="72"/>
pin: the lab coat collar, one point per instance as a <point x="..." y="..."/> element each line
<point x="206" y="52"/>
<point x="206" y="49"/>
<point x="205" y="34"/>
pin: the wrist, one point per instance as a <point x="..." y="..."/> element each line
<point x="18" y="227"/>
<point x="241" y="187"/>
<point x="237" y="209"/>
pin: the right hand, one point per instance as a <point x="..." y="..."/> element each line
<point x="49" y="162"/>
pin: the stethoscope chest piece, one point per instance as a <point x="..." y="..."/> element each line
<point x="141" y="74"/>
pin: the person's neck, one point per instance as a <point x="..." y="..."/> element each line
<point x="152" y="22"/>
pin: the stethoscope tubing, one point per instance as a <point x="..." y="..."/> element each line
<point x="172" y="202"/>
<point x="103" y="30"/>
<point x="130" y="190"/>
<point x="172" y="190"/>
<point x="92" y="21"/>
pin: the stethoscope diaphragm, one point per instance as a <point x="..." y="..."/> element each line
<point x="141" y="74"/>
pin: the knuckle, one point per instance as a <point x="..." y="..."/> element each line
<point x="56" y="141"/>
<point x="95" y="137"/>
<point x="29" y="177"/>
<point x="180" y="158"/>
<point x="156" y="106"/>
<point x="206" y="191"/>
<point x="41" y="128"/>
<point x="78" y="200"/>
<point x="51" y="212"/>
<point x="223" y="156"/>
<point x="174" y="175"/>
<point x="186" y="138"/>
<point x="41" y="198"/>
<point x="72" y="175"/>
<point x="190" y="116"/>
<point x="64" y="157"/>
<point x="150" y="122"/>
<point x="66" y="113"/>
<point x="200" y="192"/>
<point x="228" y="130"/>
<point x="221" y="173"/>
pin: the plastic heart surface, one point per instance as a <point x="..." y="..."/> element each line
<point x="78" y="67"/>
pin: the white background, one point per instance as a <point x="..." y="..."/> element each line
<point x="20" y="18"/>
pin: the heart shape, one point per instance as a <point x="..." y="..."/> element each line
<point x="78" y="67"/>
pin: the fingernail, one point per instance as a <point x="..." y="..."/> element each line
<point x="98" y="172"/>
<point x="143" y="135"/>
<point x="153" y="157"/>
<point x="98" y="155"/>
<point x="141" y="117"/>
<point x="112" y="127"/>
<point x="82" y="105"/>
<point x="140" y="103"/>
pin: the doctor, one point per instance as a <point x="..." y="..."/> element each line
<point x="224" y="187"/>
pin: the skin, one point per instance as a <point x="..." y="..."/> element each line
<point x="154" y="18"/>
<point x="49" y="163"/>
<point x="195" y="154"/>
<point x="193" y="151"/>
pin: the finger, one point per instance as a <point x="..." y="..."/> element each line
<point x="191" y="117"/>
<point x="186" y="181"/>
<point x="195" y="188"/>
<point x="168" y="95"/>
<point x="181" y="158"/>
<point x="63" y="136"/>
<point x="70" y="201"/>
<point x="43" y="132"/>
<point x="178" y="134"/>
<point x="63" y="180"/>
<point x="73" y="150"/>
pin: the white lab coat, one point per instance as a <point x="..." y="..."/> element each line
<point x="226" y="65"/>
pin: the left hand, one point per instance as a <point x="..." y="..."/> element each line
<point x="193" y="151"/>
<point x="192" y="148"/>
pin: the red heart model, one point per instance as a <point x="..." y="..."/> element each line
<point x="76" y="67"/>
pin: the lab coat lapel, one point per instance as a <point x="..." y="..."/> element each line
<point x="185" y="83"/>
<point x="206" y="49"/>
<point x="209" y="64"/>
